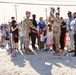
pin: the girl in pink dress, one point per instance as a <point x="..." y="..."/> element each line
<point x="49" y="36"/>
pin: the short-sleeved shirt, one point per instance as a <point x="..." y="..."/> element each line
<point x="20" y="33"/>
<point x="41" y="25"/>
<point x="16" y="31"/>
<point x="73" y="22"/>
<point x="63" y="30"/>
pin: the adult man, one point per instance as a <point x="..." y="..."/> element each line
<point x="26" y="25"/>
<point x="69" y="20"/>
<point x="63" y="34"/>
<point x="71" y="35"/>
<point x="33" y="32"/>
<point x="56" y="32"/>
<point x="73" y="28"/>
<point x="41" y="26"/>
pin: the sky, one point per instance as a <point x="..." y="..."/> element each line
<point x="8" y="10"/>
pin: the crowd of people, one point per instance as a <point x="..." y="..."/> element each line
<point x="50" y="36"/>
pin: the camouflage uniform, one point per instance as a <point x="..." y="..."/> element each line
<point x="26" y="25"/>
<point x="56" y="31"/>
<point x="51" y="20"/>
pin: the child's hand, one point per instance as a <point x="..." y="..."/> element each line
<point x="16" y="36"/>
<point x="34" y="31"/>
<point x="63" y="26"/>
<point x="17" y="26"/>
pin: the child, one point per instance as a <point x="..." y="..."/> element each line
<point x="45" y="32"/>
<point x="49" y="36"/>
<point x="14" y="29"/>
<point x="7" y="36"/>
<point x="41" y="43"/>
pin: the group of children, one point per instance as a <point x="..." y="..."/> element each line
<point x="46" y="39"/>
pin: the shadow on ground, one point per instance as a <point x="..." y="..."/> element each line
<point x="43" y="62"/>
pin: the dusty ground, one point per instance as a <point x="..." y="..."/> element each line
<point x="41" y="64"/>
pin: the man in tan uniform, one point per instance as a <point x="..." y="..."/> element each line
<point x="55" y="22"/>
<point x="26" y="25"/>
<point x="56" y="32"/>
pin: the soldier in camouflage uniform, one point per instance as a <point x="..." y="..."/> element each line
<point x="26" y="25"/>
<point x="56" y="32"/>
<point x="55" y="22"/>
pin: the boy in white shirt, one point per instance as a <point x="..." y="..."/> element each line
<point x="41" y="43"/>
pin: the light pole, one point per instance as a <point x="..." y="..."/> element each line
<point x="46" y="14"/>
<point x="16" y="11"/>
<point x="4" y="18"/>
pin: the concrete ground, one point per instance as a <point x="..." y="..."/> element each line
<point x="42" y="63"/>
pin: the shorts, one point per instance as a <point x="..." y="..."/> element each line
<point x="15" y="39"/>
